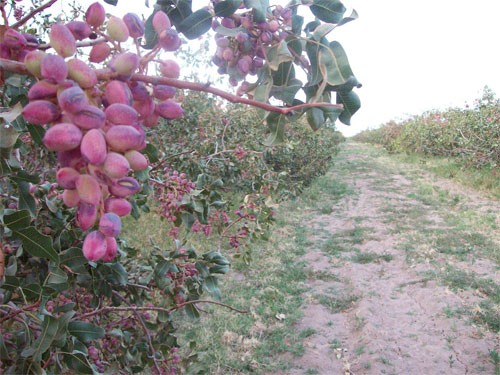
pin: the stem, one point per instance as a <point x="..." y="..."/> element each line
<point x="2" y="261"/>
<point x="18" y="311"/>
<point x="162" y="162"/>
<point x="223" y="94"/>
<point x="146" y="331"/>
<point x="30" y="15"/>
<point x="5" y="18"/>
<point x="137" y="308"/>
<point x="106" y="74"/>
<point x="219" y="242"/>
<point x="88" y="43"/>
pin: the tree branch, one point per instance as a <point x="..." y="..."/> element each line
<point x="88" y="43"/>
<point x="19" y="311"/>
<point x="163" y="309"/>
<point x="106" y="74"/>
<point x="30" y="15"/>
<point x="223" y="94"/>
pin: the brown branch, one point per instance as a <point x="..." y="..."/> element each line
<point x="106" y="74"/>
<point x="30" y="15"/>
<point x="219" y="242"/>
<point x="223" y="94"/>
<point x="163" y="309"/>
<point x="2" y="261"/>
<point x="88" y="43"/>
<point x="5" y="18"/>
<point x="146" y="330"/>
<point x="19" y="311"/>
<point x="162" y="161"/>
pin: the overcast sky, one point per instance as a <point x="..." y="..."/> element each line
<point x="410" y="55"/>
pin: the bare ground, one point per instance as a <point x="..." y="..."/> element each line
<point x="385" y="305"/>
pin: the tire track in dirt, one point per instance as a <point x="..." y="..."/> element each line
<point x="381" y="311"/>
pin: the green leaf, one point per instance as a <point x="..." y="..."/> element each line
<point x="334" y="64"/>
<point x="283" y="74"/>
<point x="192" y="311"/>
<point x="351" y="103"/>
<point x="65" y="308"/>
<point x="313" y="50"/>
<point x="32" y="290"/>
<point x="25" y="177"/>
<point x="226" y="8"/>
<point x="330" y="11"/>
<point x="13" y="114"/>
<point x="17" y="220"/>
<point x="37" y="244"/>
<point x="352" y="17"/>
<point x="196" y="24"/>
<point x="151" y="152"/>
<point x="322" y="30"/>
<point x="188" y="220"/>
<point x="297" y="22"/>
<point x="278" y="54"/>
<point x="26" y="200"/>
<point x="8" y="135"/>
<point x="295" y="45"/>
<point x="276" y="123"/>
<point x="160" y="274"/>
<point x="85" y="331"/>
<point x="180" y="12"/>
<point x="4" y="354"/>
<point x="219" y="269"/>
<point x="37" y="132"/>
<point x="42" y="343"/>
<point x="211" y="285"/>
<point x="287" y="93"/>
<point x="259" y="9"/>
<point x="11" y="283"/>
<point x="74" y="259"/>
<point x="111" y="2"/>
<point x="202" y="269"/>
<point x="78" y="362"/>
<point x="5" y="169"/>
<point x="315" y="118"/>
<point x="57" y="279"/>
<point x="150" y="35"/>
<point x="119" y="272"/>
<point x="311" y="26"/>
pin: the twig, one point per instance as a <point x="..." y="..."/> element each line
<point x="161" y="162"/>
<point x="219" y="242"/>
<point x="9" y="196"/>
<point x="153" y="308"/>
<point x="106" y="74"/>
<point x="146" y="330"/>
<point x="88" y="43"/>
<point x="4" y="15"/>
<point x="30" y="15"/>
<point x="2" y="261"/>
<point x="18" y="311"/>
<point x="223" y="94"/>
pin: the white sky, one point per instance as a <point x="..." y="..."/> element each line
<point x="417" y="55"/>
<point x="410" y="55"/>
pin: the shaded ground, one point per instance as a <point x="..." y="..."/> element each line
<point x="405" y="274"/>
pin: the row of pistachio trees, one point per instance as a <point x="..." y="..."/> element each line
<point x="76" y="157"/>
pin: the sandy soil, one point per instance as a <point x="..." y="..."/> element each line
<point x="396" y="322"/>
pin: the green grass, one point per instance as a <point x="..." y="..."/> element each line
<point x="365" y="258"/>
<point x="339" y="303"/>
<point x="270" y="288"/>
<point x="487" y="311"/>
<point x="480" y="179"/>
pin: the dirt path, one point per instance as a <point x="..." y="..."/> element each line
<point x="406" y="274"/>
